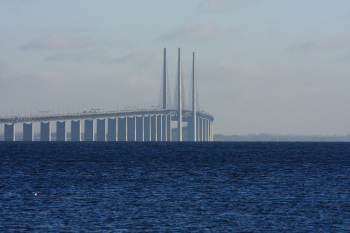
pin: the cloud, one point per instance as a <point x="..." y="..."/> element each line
<point x="81" y="49"/>
<point x="321" y="45"/>
<point x="198" y="32"/>
<point x="345" y="58"/>
<point x="141" y="58"/>
<point x="39" y="79"/>
<point x="55" y="42"/>
<point x="3" y="67"/>
<point x="80" y="56"/>
<point x="140" y="55"/>
<point x="121" y="44"/>
<point x="63" y="42"/>
<point x="219" y="6"/>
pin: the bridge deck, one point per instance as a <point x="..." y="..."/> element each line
<point x="94" y="115"/>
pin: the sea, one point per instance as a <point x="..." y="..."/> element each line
<point x="174" y="187"/>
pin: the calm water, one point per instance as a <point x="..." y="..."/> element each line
<point x="174" y="187"/>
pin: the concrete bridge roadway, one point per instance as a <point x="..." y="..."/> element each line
<point x="127" y="125"/>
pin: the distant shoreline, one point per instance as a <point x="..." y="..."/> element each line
<point x="264" y="137"/>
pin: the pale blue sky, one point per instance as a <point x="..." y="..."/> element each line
<point x="272" y="66"/>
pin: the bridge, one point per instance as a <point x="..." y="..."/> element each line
<point x="165" y="122"/>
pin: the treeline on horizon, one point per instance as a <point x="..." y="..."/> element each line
<point x="265" y="137"/>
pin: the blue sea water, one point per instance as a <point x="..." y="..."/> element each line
<point x="174" y="187"/>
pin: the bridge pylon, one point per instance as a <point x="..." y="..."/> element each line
<point x="179" y="96"/>
<point x="194" y="100"/>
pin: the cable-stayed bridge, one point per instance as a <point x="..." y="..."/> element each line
<point x="165" y="122"/>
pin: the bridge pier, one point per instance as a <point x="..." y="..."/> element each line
<point x="28" y="132"/>
<point x="206" y="130"/>
<point x="203" y="129"/>
<point x="159" y="127"/>
<point x="76" y="130"/>
<point x="112" y="130"/>
<point x="61" y="131"/>
<point x="45" y="131"/>
<point x="101" y="130"/>
<point x="123" y="129"/>
<point x="210" y="131"/>
<point x="169" y="138"/>
<point x="163" y="123"/>
<point x="197" y="129"/>
<point x="10" y="132"/>
<point x="200" y="133"/>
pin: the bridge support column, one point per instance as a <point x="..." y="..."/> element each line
<point x="147" y="128"/>
<point x="208" y="130"/>
<point x="203" y="129"/>
<point x="61" y="131"/>
<point x="159" y="128"/>
<point x="89" y="130"/>
<point x="101" y="130"/>
<point x="75" y="131"/>
<point x="163" y="119"/>
<point x="139" y="128"/>
<point x="131" y="128"/>
<point x="154" y="130"/>
<point x="28" y="132"/>
<point x="200" y="134"/>
<point x="122" y="129"/>
<point x="211" y="131"/>
<point x="199" y="128"/>
<point x="112" y="130"/>
<point x="45" y="131"/>
<point x="10" y="132"/>
<point x="168" y="128"/>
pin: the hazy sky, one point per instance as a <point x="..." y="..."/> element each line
<point x="263" y="66"/>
